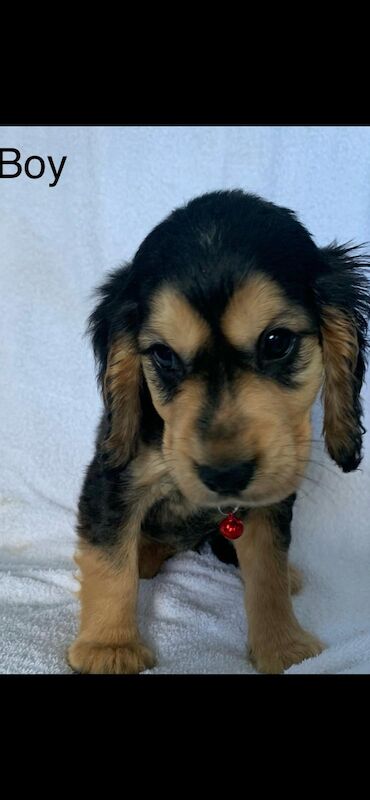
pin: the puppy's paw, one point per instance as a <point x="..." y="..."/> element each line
<point x="101" y="659"/>
<point x="295" y="579"/>
<point x="278" y="655"/>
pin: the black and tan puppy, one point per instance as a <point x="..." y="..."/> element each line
<point x="212" y="346"/>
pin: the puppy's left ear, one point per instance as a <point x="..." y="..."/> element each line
<point x="343" y="295"/>
<point x="111" y="326"/>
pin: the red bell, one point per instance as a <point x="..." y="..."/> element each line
<point x="231" y="527"/>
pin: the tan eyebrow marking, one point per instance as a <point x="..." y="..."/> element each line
<point x="174" y="321"/>
<point x="255" y="306"/>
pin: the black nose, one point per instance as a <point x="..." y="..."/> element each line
<point x="227" y="479"/>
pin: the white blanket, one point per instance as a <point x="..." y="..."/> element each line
<point x="55" y="246"/>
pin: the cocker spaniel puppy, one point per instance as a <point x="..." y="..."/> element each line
<point x="212" y="346"/>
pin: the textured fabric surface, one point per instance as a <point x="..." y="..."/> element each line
<point x="55" y="246"/>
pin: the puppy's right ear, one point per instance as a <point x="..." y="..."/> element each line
<point x="343" y="295"/>
<point x="112" y="328"/>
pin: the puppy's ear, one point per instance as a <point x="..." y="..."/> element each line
<point x="112" y="329"/>
<point x="343" y="295"/>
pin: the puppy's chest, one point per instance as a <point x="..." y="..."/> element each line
<point x="170" y="521"/>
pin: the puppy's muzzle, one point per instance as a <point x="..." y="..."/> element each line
<point x="229" y="478"/>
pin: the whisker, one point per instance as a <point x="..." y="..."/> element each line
<point x="279" y="485"/>
<point x="319" y="464"/>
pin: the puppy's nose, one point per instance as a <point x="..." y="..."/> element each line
<point x="227" y="479"/>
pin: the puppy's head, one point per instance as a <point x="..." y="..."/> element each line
<point x="215" y="341"/>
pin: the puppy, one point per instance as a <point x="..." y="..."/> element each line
<point x="212" y="345"/>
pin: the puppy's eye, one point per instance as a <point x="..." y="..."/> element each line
<point x="276" y="345"/>
<point x="165" y="358"/>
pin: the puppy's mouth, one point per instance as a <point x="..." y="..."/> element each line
<point x="225" y="501"/>
<point x="244" y="483"/>
<point x="216" y="488"/>
<point x="250" y="499"/>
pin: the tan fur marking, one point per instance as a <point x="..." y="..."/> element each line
<point x="257" y="304"/>
<point x="151" y="557"/>
<point x="275" y="637"/>
<point x="176" y="323"/>
<point x="109" y="640"/>
<point x="121" y="390"/>
<point x="340" y="352"/>
<point x="181" y="444"/>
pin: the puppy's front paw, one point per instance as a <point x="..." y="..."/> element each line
<point x="101" y="659"/>
<point x="278" y="655"/>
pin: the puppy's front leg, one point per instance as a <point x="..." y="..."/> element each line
<point x="275" y="637"/>
<point x="109" y="641"/>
